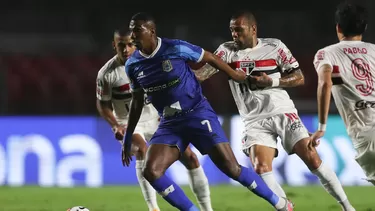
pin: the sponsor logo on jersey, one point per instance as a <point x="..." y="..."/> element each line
<point x="162" y="86"/>
<point x="362" y="104"/>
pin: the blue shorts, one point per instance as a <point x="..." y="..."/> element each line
<point x="200" y="127"/>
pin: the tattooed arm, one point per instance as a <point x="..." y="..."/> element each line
<point x="292" y="79"/>
<point x="288" y="79"/>
<point x="205" y="72"/>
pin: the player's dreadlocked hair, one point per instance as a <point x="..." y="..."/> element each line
<point x="246" y="14"/>
<point x="351" y="18"/>
<point x="142" y="16"/>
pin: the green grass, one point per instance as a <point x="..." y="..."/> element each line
<point x="129" y="198"/>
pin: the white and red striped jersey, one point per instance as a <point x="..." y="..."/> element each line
<point x="113" y="85"/>
<point x="270" y="56"/>
<point x="353" y="78"/>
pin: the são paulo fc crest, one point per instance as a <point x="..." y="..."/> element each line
<point x="247" y="66"/>
<point x="167" y="66"/>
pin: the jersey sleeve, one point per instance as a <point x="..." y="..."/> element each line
<point x="222" y="53"/>
<point x="321" y="58"/>
<point x="190" y="52"/>
<point x="103" y="87"/>
<point x="285" y="59"/>
<point x="134" y="85"/>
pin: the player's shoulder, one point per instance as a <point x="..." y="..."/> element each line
<point x="368" y="44"/>
<point x="329" y="49"/>
<point x="109" y="67"/>
<point x="229" y="45"/>
<point x="133" y="59"/>
<point x="168" y="41"/>
<point x="271" y="42"/>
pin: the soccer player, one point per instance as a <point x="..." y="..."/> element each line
<point x="347" y="69"/>
<point x="266" y="108"/>
<point x="160" y="69"/>
<point x="113" y="91"/>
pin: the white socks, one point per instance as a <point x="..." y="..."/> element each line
<point x="333" y="186"/>
<point x="149" y="193"/>
<point x="200" y="187"/>
<point x="272" y="183"/>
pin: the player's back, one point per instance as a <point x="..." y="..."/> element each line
<point x="166" y="78"/>
<point x="353" y="77"/>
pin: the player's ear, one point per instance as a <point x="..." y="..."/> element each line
<point x="338" y="29"/>
<point x="152" y="30"/>
<point x="254" y="28"/>
<point x="114" y="45"/>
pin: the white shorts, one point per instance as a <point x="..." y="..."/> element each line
<point x="365" y="148"/>
<point x="146" y="129"/>
<point x="264" y="132"/>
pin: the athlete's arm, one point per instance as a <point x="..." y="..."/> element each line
<point x="105" y="110"/>
<point x="324" y="92"/>
<point x="135" y="112"/>
<point x="103" y="100"/>
<point x="219" y="64"/>
<point x="204" y="72"/>
<point x="292" y="79"/>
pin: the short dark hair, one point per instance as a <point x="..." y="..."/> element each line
<point x="142" y="16"/>
<point x="246" y="14"/>
<point x="122" y="32"/>
<point x="351" y="18"/>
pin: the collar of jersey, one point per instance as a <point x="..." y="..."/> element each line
<point x="351" y="41"/>
<point x="153" y="53"/>
<point x="255" y="47"/>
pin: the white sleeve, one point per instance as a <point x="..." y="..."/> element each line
<point x="207" y="70"/>
<point x="103" y="87"/>
<point x="321" y="58"/>
<point x="285" y="59"/>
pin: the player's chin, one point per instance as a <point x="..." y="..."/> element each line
<point x="137" y="45"/>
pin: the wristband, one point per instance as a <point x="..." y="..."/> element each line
<point x="275" y="82"/>
<point x="322" y="127"/>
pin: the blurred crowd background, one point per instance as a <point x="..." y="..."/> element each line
<point x="51" y="51"/>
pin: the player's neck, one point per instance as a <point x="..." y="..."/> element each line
<point x="150" y="49"/>
<point x="120" y="60"/>
<point x="252" y="45"/>
<point x="352" y="38"/>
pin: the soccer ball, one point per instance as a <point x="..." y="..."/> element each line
<point x="78" y="208"/>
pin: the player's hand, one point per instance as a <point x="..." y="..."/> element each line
<point x="126" y="153"/>
<point x="239" y="76"/>
<point x="315" y="138"/>
<point x="119" y="132"/>
<point x="261" y="81"/>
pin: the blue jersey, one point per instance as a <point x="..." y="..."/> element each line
<point x="166" y="77"/>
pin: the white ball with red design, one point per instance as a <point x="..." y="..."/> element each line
<point x="78" y="208"/>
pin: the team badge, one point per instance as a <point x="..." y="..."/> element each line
<point x="167" y="66"/>
<point x="247" y="66"/>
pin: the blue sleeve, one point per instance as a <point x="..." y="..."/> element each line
<point x="190" y="52"/>
<point x="135" y="86"/>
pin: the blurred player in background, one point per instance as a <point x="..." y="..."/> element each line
<point x="113" y="91"/>
<point x="347" y="69"/>
<point x="266" y="108"/>
<point x="160" y="69"/>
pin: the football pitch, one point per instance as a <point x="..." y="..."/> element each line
<point x="129" y="198"/>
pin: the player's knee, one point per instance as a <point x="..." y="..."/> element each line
<point x="139" y="147"/>
<point x="151" y="173"/>
<point x="190" y="160"/>
<point x="308" y="154"/>
<point x="262" y="167"/>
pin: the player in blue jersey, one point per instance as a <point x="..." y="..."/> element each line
<point x="160" y="68"/>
